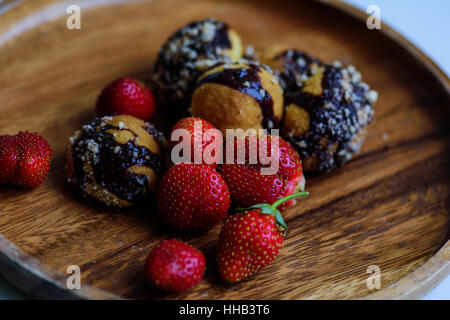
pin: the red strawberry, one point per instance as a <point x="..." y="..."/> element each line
<point x="192" y="196"/>
<point x="24" y="159"/>
<point x="174" y="266"/>
<point x="8" y="157"/>
<point x="250" y="240"/>
<point x="200" y="141"/>
<point x="247" y="183"/>
<point x="126" y="96"/>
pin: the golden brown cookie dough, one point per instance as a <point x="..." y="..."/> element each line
<point x="117" y="160"/>
<point x="188" y="53"/>
<point x="241" y="95"/>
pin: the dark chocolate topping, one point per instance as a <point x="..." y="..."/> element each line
<point x="110" y="169"/>
<point x="248" y="81"/>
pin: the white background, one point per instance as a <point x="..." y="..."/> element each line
<point x="425" y="23"/>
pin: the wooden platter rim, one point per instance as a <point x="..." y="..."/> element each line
<point x="419" y="282"/>
<point x="34" y="277"/>
<point x="434" y="270"/>
<point x="43" y="282"/>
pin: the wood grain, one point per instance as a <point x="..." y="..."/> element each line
<point x="387" y="207"/>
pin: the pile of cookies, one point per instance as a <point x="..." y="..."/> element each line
<point x="322" y="109"/>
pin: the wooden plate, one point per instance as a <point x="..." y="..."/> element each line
<point x="388" y="207"/>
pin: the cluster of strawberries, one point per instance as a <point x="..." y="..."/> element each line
<point x="198" y="196"/>
<point x="194" y="196"/>
<point x="190" y="196"/>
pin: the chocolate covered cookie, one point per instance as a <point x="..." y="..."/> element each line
<point x="327" y="108"/>
<point x="188" y="53"/>
<point x="117" y="160"/>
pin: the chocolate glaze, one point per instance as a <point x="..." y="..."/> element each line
<point x="111" y="170"/>
<point x="235" y="78"/>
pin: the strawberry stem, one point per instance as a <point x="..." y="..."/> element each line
<point x="266" y="208"/>
<point x="292" y="196"/>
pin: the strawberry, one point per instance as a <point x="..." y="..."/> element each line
<point x="174" y="266"/>
<point x="250" y="240"/>
<point x="192" y="196"/>
<point x="249" y="185"/>
<point x="200" y="133"/>
<point x="25" y="159"/>
<point x="126" y="96"/>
